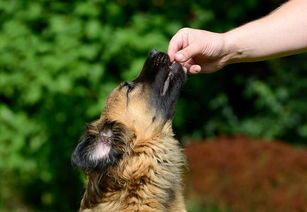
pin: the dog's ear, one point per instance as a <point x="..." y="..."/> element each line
<point x="80" y="157"/>
<point x="102" y="145"/>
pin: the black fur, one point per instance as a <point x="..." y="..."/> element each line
<point x="81" y="155"/>
<point x="154" y="73"/>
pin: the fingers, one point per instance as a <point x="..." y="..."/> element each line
<point x="175" y="44"/>
<point x="210" y="67"/>
<point x="194" y="69"/>
<point x="187" y="53"/>
<point x="207" y="68"/>
<point x="187" y="45"/>
<point x="191" y="67"/>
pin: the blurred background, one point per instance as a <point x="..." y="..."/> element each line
<point x="60" y="59"/>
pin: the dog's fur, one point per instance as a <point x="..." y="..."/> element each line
<point x="129" y="154"/>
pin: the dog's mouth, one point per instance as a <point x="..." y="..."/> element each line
<point x="159" y="69"/>
<point x="164" y="79"/>
<point x="173" y="69"/>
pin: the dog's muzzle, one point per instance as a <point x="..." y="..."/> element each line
<point x="164" y="79"/>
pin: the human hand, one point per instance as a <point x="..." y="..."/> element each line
<point x="199" y="50"/>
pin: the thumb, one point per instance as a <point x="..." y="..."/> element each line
<point x="187" y="53"/>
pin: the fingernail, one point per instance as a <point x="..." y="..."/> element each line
<point x="179" y="57"/>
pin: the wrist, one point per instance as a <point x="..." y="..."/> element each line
<point x="234" y="53"/>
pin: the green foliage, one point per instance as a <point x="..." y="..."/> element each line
<point x="60" y="59"/>
<point x="267" y="102"/>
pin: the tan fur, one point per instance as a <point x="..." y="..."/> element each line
<point x="149" y="176"/>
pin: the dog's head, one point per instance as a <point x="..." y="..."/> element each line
<point x="135" y="111"/>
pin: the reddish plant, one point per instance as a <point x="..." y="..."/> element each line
<point x="247" y="174"/>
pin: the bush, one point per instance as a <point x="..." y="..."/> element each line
<point x="247" y="175"/>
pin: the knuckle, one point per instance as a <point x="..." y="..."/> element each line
<point x="184" y="30"/>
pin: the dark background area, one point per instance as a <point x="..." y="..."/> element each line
<point x="60" y="59"/>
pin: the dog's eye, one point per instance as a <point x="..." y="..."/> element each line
<point x="129" y="85"/>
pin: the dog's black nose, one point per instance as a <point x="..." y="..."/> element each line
<point x="153" y="52"/>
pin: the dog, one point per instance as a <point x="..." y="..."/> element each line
<point x="130" y="155"/>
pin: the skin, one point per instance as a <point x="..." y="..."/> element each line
<point x="281" y="33"/>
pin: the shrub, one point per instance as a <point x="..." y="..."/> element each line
<point x="248" y="175"/>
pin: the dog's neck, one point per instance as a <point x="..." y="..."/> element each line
<point x="96" y="189"/>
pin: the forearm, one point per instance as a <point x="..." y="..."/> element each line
<point x="281" y="33"/>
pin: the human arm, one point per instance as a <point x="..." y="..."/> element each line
<point x="282" y="32"/>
